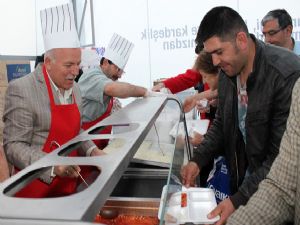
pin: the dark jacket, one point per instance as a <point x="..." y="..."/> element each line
<point x="269" y="89"/>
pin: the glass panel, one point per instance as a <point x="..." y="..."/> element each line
<point x="174" y="180"/>
<point x="84" y="22"/>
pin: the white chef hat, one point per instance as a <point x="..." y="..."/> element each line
<point x="58" y="27"/>
<point x="118" y="50"/>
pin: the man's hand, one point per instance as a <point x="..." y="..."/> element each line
<point x="196" y="138"/>
<point x="158" y="86"/>
<point x="224" y="210"/>
<point x="213" y="102"/>
<point x="117" y="105"/>
<point x="97" y="152"/>
<point x="202" y="106"/>
<point x="189" y="103"/>
<point x="154" y="94"/>
<point x="189" y="172"/>
<point x="67" y="171"/>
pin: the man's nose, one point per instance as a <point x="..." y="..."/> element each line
<point x="268" y="39"/>
<point x="216" y="60"/>
<point x="120" y="73"/>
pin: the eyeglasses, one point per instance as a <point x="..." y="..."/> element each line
<point x="118" y="69"/>
<point x="272" y="32"/>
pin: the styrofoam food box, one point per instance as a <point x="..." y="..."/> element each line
<point x="200" y="202"/>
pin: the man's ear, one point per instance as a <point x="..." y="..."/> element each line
<point x="289" y="30"/>
<point x="47" y="62"/>
<point x="241" y="40"/>
<point x="105" y="62"/>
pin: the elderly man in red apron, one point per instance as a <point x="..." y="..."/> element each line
<point x="42" y="109"/>
<point x="98" y="85"/>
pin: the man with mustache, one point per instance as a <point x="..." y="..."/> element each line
<point x="255" y="86"/>
<point x="43" y="109"/>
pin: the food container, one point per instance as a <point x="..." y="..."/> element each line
<point x="191" y="205"/>
<point x="133" y="211"/>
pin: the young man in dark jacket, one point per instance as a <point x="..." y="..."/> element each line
<point x="255" y="86"/>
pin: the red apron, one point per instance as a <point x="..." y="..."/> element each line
<point x="65" y="125"/>
<point x="86" y="172"/>
<point x="107" y="130"/>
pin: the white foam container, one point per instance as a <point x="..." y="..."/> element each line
<point x="200" y="202"/>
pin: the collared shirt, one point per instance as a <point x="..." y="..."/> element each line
<point x="92" y="84"/>
<point x="296" y="49"/>
<point x="242" y="106"/>
<point x="65" y="98"/>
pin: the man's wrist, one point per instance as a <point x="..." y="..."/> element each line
<point x="52" y="172"/>
<point x="89" y="151"/>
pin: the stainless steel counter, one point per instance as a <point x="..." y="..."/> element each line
<point x="136" y="119"/>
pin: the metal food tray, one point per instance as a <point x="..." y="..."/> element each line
<point x="133" y="206"/>
<point x="82" y="207"/>
<point x="199" y="203"/>
<point x="149" y="152"/>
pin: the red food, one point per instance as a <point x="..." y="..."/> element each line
<point x="128" y="220"/>
<point x="183" y="199"/>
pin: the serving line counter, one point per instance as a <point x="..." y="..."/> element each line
<point x="134" y="126"/>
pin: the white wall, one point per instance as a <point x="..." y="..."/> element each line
<point x="151" y="58"/>
<point x="20" y="26"/>
<point x="163" y="32"/>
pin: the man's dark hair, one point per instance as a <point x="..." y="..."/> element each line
<point x="102" y="60"/>
<point x="283" y="17"/>
<point x="79" y="75"/>
<point x="198" y="48"/>
<point x="39" y="59"/>
<point x="222" y="22"/>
